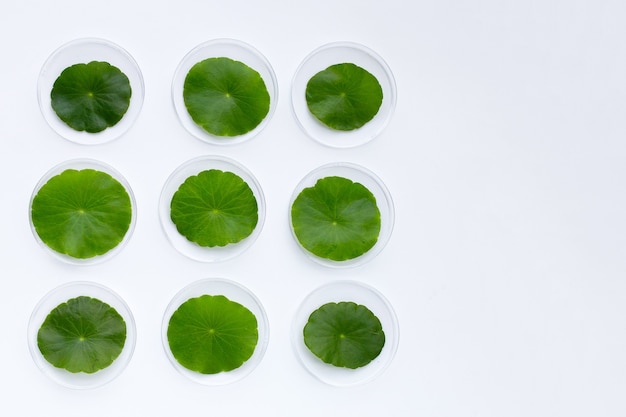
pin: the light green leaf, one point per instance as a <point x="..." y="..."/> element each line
<point x="91" y="97"/>
<point x="225" y="97"/>
<point x="336" y="219"/>
<point x="211" y="334"/>
<point x="344" y="96"/>
<point x="214" y="208"/>
<point x="82" y="213"/>
<point x="344" y="334"/>
<point x="83" y="334"/>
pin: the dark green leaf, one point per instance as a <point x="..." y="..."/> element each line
<point x="344" y="334"/>
<point x="91" y="97"/>
<point x="82" y="335"/>
<point x="211" y="334"/>
<point x="344" y="96"/>
<point x="214" y="208"/>
<point x="336" y="219"/>
<point x="225" y="97"/>
<point x="82" y="213"/>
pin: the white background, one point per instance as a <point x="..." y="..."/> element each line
<point x="505" y="158"/>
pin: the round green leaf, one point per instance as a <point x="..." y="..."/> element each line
<point x="81" y="213"/>
<point x="214" y="208"/>
<point x="344" y="334"/>
<point x="91" y="97"/>
<point x="225" y="97"/>
<point x="336" y="219"/>
<point x="211" y="334"/>
<point x="344" y="96"/>
<point x="83" y="334"/>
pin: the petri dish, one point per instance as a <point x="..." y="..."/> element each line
<point x="361" y="294"/>
<point x="62" y="294"/>
<point x="357" y="174"/>
<point x="72" y="199"/>
<point x="340" y="53"/>
<point x="234" y="292"/>
<point x="191" y="168"/>
<point x="83" y="51"/>
<point x="237" y="51"/>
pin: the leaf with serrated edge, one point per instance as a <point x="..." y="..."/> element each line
<point x="83" y="334"/>
<point x="82" y="213"/>
<point x="225" y="97"/>
<point x="214" y="208"/>
<point x="344" y="96"/>
<point x="210" y="334"/>
<point x="336" y="219"/>
<point x="344" y="334"/>
<point x="91" y="97"/>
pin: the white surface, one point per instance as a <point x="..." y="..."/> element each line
<point x="505" y="159"/>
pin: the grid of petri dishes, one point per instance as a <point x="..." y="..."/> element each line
<point x="212" y="208"/>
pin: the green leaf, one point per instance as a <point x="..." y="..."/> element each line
<point x="82" y="213"/>
<point x="214" y="208"/>
<point x="336" y="219"/>
<point x="225" y="97"/>
<point x="344" y="334"/>
<point x="83" y="334"/>
<point x="344" y="96"/>
<point x="211" y="334"/>
<point x="91" y="97"/>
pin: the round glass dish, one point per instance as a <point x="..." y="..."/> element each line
<point x="83" y="51"/>
<point x="359" y="293"/>
<point x="338" y="53"/>
<point x="80" y="164"/>
<point x="61" y="295"/>
<point x="181" y="243"/>
<point x="234" y="292"/>
<point x="223" y="48"/>
<point x="369" y="180"/>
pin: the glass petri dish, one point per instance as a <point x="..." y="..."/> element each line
<point x="181" y="243"/>
<point x="81" y="164"/>
<point x="234" y="292"/>
<point x="223" y="48"/>
<point x="337" y="53"/>
<point x="359" y="293"/>
<point x="61" y="295"/>
<point x="82" y="51"/>
<point x="369" y="180"/>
